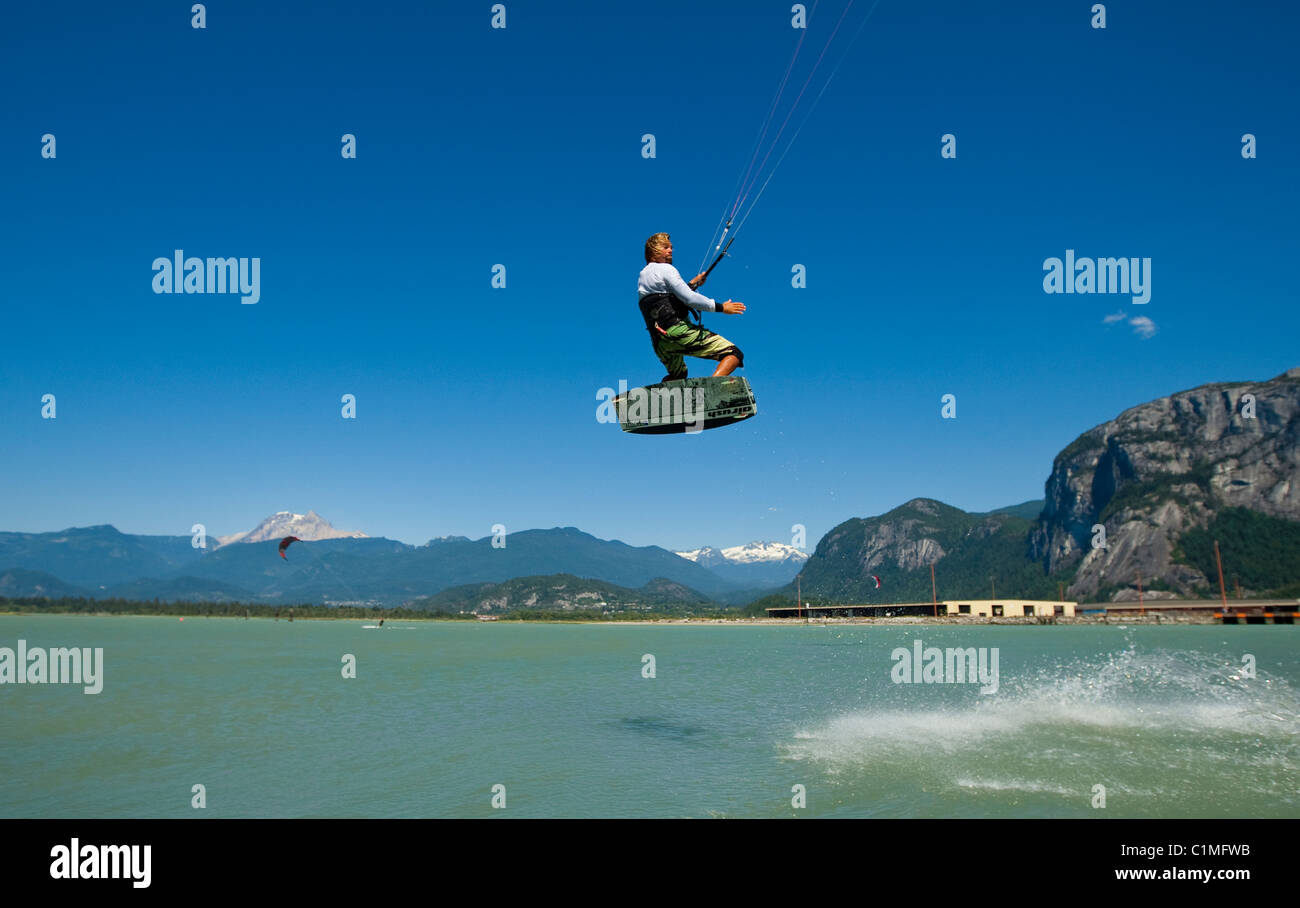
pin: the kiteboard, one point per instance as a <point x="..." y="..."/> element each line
<point x="686" y="406"/>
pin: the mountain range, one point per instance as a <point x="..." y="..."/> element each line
<point x="102" y="562"/>
<point x="1139" y="499"/>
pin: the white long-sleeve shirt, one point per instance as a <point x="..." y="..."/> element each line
<point x="660" y="277"/>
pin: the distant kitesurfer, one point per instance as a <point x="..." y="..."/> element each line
<point x="664" y="299"/>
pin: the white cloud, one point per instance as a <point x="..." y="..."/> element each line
<point x="1143" y="327"/>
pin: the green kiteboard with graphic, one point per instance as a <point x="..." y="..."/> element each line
<point x="686" y="406"/>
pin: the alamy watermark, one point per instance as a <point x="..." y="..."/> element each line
<point x="656" y="405"/>
<point x="59" y="665"/>
<point x="955" y="665"/>
<point x="212" y="275"/>
<point x="1105" y="275"/>
<point x="75" y="861"/>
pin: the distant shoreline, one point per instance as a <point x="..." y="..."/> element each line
<point x="1102" y="619"/>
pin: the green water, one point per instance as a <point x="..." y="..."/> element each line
<point x="258" y="712"/>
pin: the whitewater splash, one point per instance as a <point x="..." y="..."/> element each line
<point x="1148" y="722"/>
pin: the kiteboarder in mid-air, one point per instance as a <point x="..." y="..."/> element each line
<point x="665" y="298"/>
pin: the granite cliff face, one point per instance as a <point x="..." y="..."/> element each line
<point x="903" y="539"/>
<point x="972" y="554"/>
<point x="1161" y="469"/>
<point x="1187" y="462"/>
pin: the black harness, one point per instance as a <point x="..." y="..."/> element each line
<point x="665" y="310"/>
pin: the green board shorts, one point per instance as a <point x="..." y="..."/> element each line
<point x="685" y="339"/>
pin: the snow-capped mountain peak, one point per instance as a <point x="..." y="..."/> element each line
<point x="751" y="553"/>
<point x="756" y="565"/>
<point x="306" y="527"/>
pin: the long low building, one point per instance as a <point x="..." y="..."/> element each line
<point x="973" y="608"/>
<point x="1201" y="605"/>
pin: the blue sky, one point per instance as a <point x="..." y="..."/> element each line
<point x="522" y="146"/>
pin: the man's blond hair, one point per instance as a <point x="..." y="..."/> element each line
<point x="655" y="246"/>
